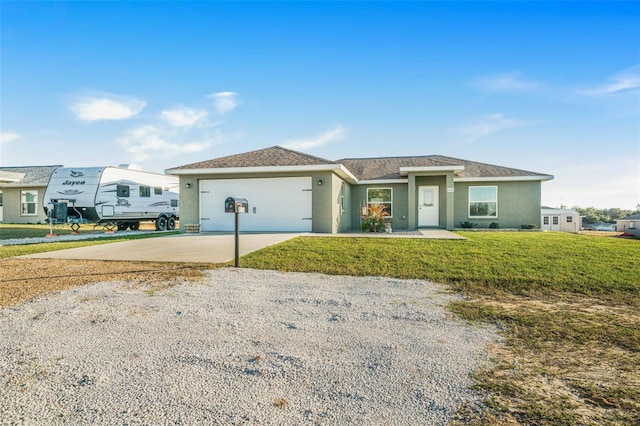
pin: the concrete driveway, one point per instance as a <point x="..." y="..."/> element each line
<point x="201" y="248"/>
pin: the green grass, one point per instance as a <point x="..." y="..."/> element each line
<point x="10" y="231"/>
<point x="486" y="263"/>
<point x="24" y="249"/>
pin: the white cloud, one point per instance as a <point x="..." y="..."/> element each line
<point x="147" y="141"/>
<point x="335" y="134"/>
<point x="623" y="81"/>
<point x="8" y="136"/>
<point x="183" y="117"/>
<point x="224" y="101"/>
<point x="510" y="82"/>
<point x="489" y="125"/>
<point x="106" y="107"/>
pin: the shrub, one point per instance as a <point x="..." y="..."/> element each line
<point x="494" y="225"/>
<point x="374" y="216"/>
<point x="529" y="226"/>
<point x="467" y="225"/>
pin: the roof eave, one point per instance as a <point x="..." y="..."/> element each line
<point x="404" y="171"/>
<point x="338" y="169"/>
<point x="503" y="178"/>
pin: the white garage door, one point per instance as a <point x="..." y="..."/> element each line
<point x="275" y="204"/>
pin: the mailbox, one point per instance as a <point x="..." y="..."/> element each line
<point x="236" y="205"/>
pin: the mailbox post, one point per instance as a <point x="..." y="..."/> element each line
<point x="237" y="206"/>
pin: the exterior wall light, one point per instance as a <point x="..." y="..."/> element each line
<point x="188" y="185"/>
<point x="319" y="181"/>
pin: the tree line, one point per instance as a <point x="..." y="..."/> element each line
<point x="592" y="214"/>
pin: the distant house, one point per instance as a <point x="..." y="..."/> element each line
<point x="563" y="220"/>
<point x="22" y="193"/>
<point x="293" y="191"/>
<point x="629" y="225"/>
<point x="603" y="226"/>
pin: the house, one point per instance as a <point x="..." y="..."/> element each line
<point x="293" y="191"/>
<point x="22" y="193"/>
<point x="563" y="220"/>
<point x="630" y="225"/>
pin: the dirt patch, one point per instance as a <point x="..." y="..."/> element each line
<point x="23" y="279"/>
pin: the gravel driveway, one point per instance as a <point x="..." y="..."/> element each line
<point x="240" y="347"/>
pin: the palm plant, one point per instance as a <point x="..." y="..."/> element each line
<point x="374" y="216"/>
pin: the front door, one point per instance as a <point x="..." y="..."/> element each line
<point x="428" y="210"/>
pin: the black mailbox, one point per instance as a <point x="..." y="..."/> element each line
<point x="236" y="205"/>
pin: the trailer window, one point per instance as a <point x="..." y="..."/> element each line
<point x="145" y="191"/>
<point x="123" y="191"/>
<point x="157" y="190"/>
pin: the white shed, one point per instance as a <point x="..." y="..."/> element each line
<point x="563" y="220"/>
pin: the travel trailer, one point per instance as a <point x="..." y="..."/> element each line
<point x="112" y="196"/>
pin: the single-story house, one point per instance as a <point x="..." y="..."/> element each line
<point x="293" y="191"/>
<point x="563" y="220"/>
<point x="22" y="193"/>
<point x="629" y="225"/>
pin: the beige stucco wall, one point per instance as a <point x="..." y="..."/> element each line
<point x="11" y="205"/>
<point x="327" y="217"/>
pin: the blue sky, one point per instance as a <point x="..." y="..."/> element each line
<point x="548" y="87"/>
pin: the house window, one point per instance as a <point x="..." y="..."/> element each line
<point x="483" y="201"/>
<point x="382" y="196"/>
<point x="157" y="190"/>
<point x="145" y="191"/>
<point x="545" y="220"/>
<point x="29" y="203"/>
<point x="632" y="225"/>
<point x="342" y="197"/>
<point x="0" y="198"/>
<point x="123" y="191"/>
<point x="556" y="220"/>
<point x="569" y="219"/>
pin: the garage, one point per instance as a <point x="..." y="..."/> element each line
<point x="275" y="204"/>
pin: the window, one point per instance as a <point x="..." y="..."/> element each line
<point x="556" y="220"/>
<point x="123" y="191"/>
<point x="382" y="196"/>
<point x="157" y="190"/>
<point x="483" y="201"/>
<point x="546" y="220"/>
<point x="342" y="198"/>
<point x="569" y="219"/>
<point x="145" y="191"/>
<point x="29" y="203"/>
<point x="632" y="225"/>
<point x="0" y="198"/>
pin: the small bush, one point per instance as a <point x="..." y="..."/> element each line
<point x="494" y="225"/>
<point x="467" y="225"/>
<point x="529" y="226"/>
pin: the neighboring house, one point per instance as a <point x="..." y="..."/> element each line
<point x="564" y="220"/>
<point x="601" y="226"/>
<point x="292" y="191"/>
<point x="629" y="225"/>
<point x="22" y="193"/>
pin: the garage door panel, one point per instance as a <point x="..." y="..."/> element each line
<point x="275" y="204"/>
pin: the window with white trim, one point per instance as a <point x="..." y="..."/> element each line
<point x="569" y="219"/>
<point x="382" y="196"/>
<point x="556" y="220"/>
<point x="29" y="203"/>
<point x="342" y="197"/>
<point x="545" y="220"/>
<point x="483" y="201"/>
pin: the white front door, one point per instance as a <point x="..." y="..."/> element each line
<point x="428" y="209"/>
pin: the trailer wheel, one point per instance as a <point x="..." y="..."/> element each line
<point x="134" y="226"/>
<point x="171" y="224"/>
<point x="161" y="223"/>
<point x="122" y="226"/>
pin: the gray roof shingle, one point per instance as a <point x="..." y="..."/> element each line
<point x="389" y="167"/>
<point x="267" y="157"/>
<point x="31" y="175"/>
<point x="361" y="168"/>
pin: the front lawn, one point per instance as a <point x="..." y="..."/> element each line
<point x="568" y="305"/>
